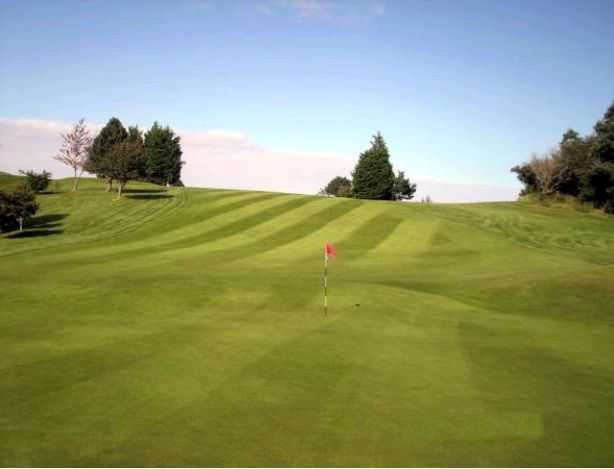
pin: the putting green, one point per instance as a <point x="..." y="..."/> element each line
<point x="185" y="327"/>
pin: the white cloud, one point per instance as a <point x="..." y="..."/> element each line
<point x="31" y="144"/>
<point x="301" y="8"/>
<point x="324" y="9"/>
<point x="231" y="159"/>
<point x="223" y="159"/>
<point x="311" y="8"/>
<point x="378" y="9"/>
<point x="453" y="192"/>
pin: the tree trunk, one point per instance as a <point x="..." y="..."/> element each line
<point x="20" y="224"/>
<point x="76" y="183"/>
<point x="78" y="180"/>
<point x="120" y="186"/>
<point x="109" y="184"/>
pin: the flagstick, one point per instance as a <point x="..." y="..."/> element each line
<point x="325" y="283"/>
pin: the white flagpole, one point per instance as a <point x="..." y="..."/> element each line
<point x="325" y="281"/>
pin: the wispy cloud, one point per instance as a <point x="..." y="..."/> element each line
<point x="324" y="9"/>
<point x="378" y="9"/>
<point x="224" y="159"/>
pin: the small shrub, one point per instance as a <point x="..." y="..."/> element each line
<point x="339" y="187"/>
<point x="37" y="182"/>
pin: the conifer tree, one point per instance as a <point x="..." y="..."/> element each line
<point x="373" y="177"/>
<point x="163" y="155"/>
<point x="403" y="189"/>
<point x="97" y="162"/>
<point x="135" y="137"/>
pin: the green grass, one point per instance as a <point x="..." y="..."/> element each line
<point x="185" y="327"/>
<point x="10" y="181"/>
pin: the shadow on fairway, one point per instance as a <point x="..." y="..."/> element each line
<point x="144" y="191"/>
<point x="34" y="234"/>
<point x="43" y="225"/>
<point x="46" y="221"/>
<point x="150" y="196"/>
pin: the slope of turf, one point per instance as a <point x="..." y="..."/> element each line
<point x="10" y="181"/>
<point x="184" y="327"/>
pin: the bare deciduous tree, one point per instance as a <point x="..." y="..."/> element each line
<point x="545" y="168"/>
<point x="73" y="151"/>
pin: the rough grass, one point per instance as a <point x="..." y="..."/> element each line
<point x="184" y="327"/>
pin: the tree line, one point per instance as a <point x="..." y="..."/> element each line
<point x="114" y="154"/>
<point x="373" y="177"/>
<point x="579" y="166"/>
<point x="119" y="155"/>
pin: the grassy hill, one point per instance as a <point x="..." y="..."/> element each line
<point x="185" y="327"/>
<point x="9" y="181"/>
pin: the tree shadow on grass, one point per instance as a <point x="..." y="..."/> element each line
<point x="46" y="221"/>
<point x="144" y="191"/>
<point x="34" y="234"/>
<point x="43" y="225"/>
<point x="150" y="196"/>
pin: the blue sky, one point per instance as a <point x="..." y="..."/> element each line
<point x="461" y="90"/>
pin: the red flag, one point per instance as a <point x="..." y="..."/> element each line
<point x="329" y="250"/>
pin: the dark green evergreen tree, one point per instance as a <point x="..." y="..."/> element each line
<point x="135" y="136"/>
<point x="373" y="177"/>
<point x="402" y="188"/>
<point x="111" y="134"/>
<point x="163" y="155"/>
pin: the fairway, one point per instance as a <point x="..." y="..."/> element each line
<point x="184" y="327"/>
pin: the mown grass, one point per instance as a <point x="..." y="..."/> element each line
<point x="185" y="327"/>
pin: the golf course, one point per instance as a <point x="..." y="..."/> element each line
<point x="185" y="327"/>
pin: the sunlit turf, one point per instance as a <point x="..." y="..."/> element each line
<point x="185" y="327"/>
